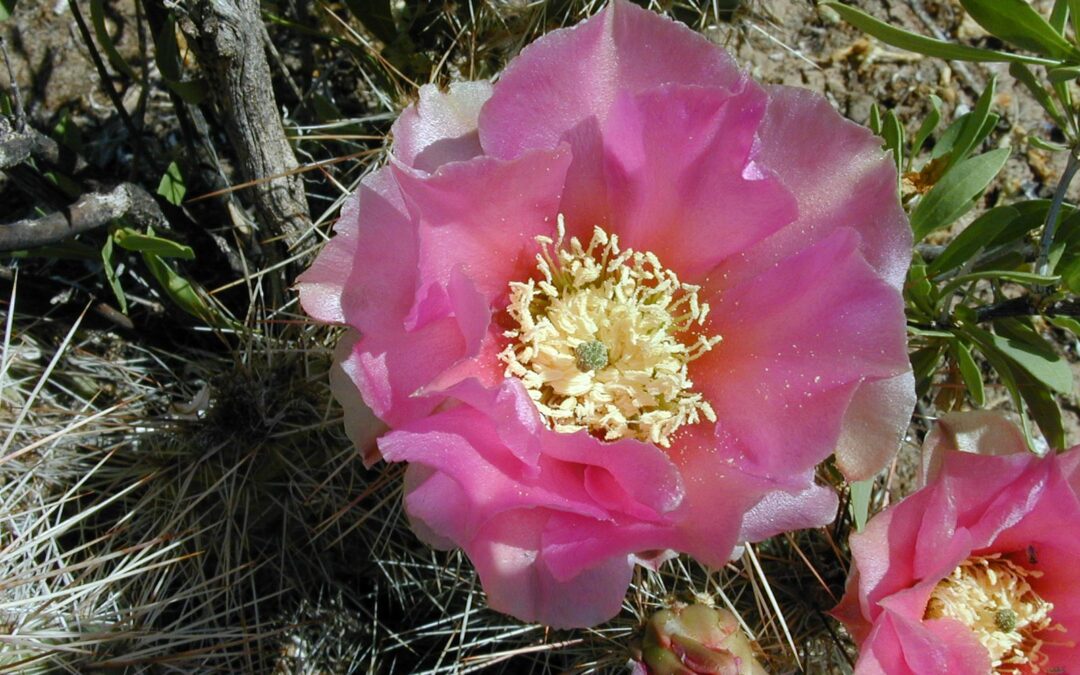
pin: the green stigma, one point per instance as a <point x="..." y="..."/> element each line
<point x="591" y="356"/>
<point x="1005" y="620"/>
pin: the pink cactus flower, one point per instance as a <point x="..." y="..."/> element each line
<point x="617" y="304"/>
<point x="977" y="571"/>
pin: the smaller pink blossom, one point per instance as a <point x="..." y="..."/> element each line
<point x="977" y="571"/>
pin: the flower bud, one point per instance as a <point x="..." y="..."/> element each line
<point x="697" y="640"/>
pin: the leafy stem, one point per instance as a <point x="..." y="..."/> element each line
<point x="1042" y="264"/>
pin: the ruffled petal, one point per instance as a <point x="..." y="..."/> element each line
<point x="391" y="367"/>
<point x="798" y="340"/>
<point x="874" y="425"/>
<point x="366" y="275"/>
<point x="801" y="135"/>
<point x="507" y="556"/>
<point x="678" y="177"/>
<point x="541" y="96"/>
<point x="441" y="126"/>
<point x="982" y="432"/>
<point x="624" y="49"/>
<point x="488" y="234"/>
<point x="781" y="511"/>
<point x="362" y="426"/>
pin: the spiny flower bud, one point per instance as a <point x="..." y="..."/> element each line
<point x="697" y="640"/>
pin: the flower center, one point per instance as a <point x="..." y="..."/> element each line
<point x="603" y="340"/>
<point x="992" y="596"/>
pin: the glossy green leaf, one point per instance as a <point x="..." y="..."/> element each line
<point x="924" y="45"/>
<point x="969" y="371"/>
<point x="973" y="239"/>
<point x="955" y="194"/>
<point x="149" y="243"/>
<point x="110" y="274"/>
<point x="1025" y="347"/>
<point x="171" y="186"/>
<point x="1015" y="22"/>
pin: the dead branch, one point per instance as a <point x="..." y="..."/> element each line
<point x="227" y="36"/>
<point x="91" y="211"/>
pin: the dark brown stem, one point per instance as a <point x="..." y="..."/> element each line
<point x="227" y="36"/>
<point x="1025" y="306"/>
<point x="91" y="211"/>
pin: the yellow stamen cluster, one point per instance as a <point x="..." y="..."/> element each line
<point x="991" y="595"/>
<point x="597" y="342"/>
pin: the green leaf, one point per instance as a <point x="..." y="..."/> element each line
<point x="1024" y="75"/>
<point x="924" y="45"/>
<point x="1074" y="14"/>
<point x="1066" y="323"/>
<point x="1063" y="74"/>
<point x="7" y="8"/>
<point x="1043" y="408"/>
<point x="926" y="128"/>
<point x="171" y="186"/>
<point x="970" y="130"/>
<point x="1026" y="348"/>
<point x="919" y="290"/>
<point x="893" y="133"/>
<point x="924" y="363"/>
<point x="973" y="239"/>
<point x="110" y="274"/>
<point x="1043" y="144"/>
<point x="875" y="119"/>
<point x="170" y="65"/>
<point x="860" y="501"/>
<point x="97" y="17"/>
<point x="1059" y="16"/>
<point x="182" y="293"/>
<point x="969" y="370"/>
<point x="149" y="243"/>
<point x="955" y="194"/>
<point x="1015" y="22"/>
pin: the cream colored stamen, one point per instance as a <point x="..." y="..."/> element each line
<point x="603" y="340"/>
<point x="993" y="597"/>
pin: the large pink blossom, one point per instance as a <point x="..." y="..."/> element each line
<point x="560" y="433"/>
<point x="976" y="572"/>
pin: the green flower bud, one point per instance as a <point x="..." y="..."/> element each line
<point x="697" y="640"/>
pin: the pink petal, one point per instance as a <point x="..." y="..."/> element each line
<point x="366" y="275"/>
<point x="677" y="178"/>
<point x="624" y="49"/>
<point x="780" y="511"/>
<point x="362" y="426"/>
<point x="507" y="557"/>
<point x="541" y="97"/>
<point x="441" y="126"/>
<point x="874" y="425"/>
<point x="800" y="135"/>
<point x="389" y="367"/>
<point x="984" y="432"/>
<point x="798" y="340"/>
<point x="489" y="234"/>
